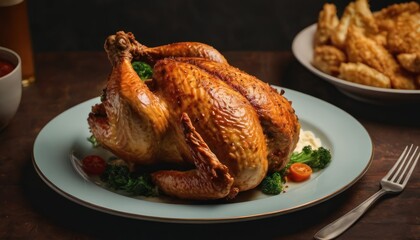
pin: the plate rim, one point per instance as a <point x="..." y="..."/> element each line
<point x="254" y="216"/>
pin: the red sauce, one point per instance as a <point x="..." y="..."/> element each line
<point x="5" y="67"/>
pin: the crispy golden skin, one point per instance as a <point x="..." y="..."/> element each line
<point x="191" y="115"/>
<point x="276" y="115"/>
<point x="363" y="74"/>
<point x="391" y="19"/>
<point x="224" y="119"/>
<point x="153" y="54"/>
<point x="327" y="22"/>
<point x="361" y="49"/>
<point x="339" y="35"/>
<point x="200" y="183"/>
<point x="364" y="18"/>
<point x="385" y="18"/>
<point x="328" y="59"/>
<point x="403" y="80"/>
<point x="410" y="61"/>
<point x="356" y="13"/>
<point x="405" y="36"/>
<point x="364" y="50"/>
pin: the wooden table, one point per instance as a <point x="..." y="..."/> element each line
<point x="29" y="209"/>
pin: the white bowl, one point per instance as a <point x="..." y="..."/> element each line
<point x="302" y="48"/>
<point x="10" y="87"/>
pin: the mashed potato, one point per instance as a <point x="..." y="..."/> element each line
<point x="307" y="138"/>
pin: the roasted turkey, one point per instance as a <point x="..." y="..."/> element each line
<point x="227" y="126"/>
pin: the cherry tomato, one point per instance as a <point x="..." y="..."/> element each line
<point x="94" y="165"/>
<point x="299" y="172"/>
<point x="5" y="68"/>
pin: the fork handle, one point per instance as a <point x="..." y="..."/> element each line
<point x="340" y="225"/>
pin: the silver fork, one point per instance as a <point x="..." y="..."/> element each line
<point x="393" y="182"/>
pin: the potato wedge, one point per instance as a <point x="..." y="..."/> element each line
<point x="363" y="74"/>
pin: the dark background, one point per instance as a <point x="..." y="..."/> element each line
<point x="83" y="25"/>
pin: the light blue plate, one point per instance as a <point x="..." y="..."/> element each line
<point x="339" y="132"/>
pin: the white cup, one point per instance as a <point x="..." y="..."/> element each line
<point x="10" y="87"/>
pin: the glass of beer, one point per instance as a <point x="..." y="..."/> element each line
<point x="15" y="35"/>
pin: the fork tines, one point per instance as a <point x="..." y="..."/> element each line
<point x="403" y="165"/>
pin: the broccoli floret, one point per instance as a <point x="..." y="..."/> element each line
<point x="315" y="158"/>
<point x="115" y="176"/>
<point x="93" y="140"/>
<point x="142" y="69"/>
<point x="118" y="177"/>
<point x="141" y="185"/>
<point x="272" y="184"/>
